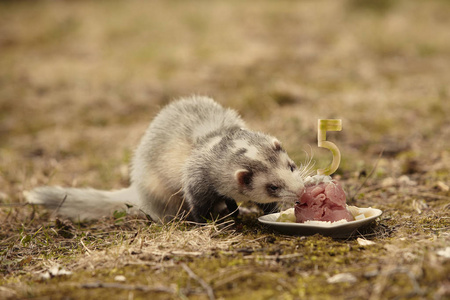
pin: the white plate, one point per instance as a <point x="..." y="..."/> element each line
<point x="337" y="230"/>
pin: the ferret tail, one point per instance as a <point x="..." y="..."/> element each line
<point x="84" y="204"/>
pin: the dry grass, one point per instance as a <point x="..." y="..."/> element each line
<point x="80" y="80"/>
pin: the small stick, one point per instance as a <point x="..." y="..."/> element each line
<point x="130" y="287"/>
<point x="194" y="276"/>
<point x="13" y="204"/>
<point x="274" y="257"/>
<point x="368" y="176"/>
<point x="84" y="246"/>
<point x="55" y="212"/>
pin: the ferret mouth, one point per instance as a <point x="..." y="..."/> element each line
<point x="301" y="193"/>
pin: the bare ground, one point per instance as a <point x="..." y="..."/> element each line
<point x="80" y="80"/>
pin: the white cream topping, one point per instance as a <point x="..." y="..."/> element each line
<point x="316" y="179"/>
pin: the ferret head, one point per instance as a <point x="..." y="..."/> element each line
<point x="265" y="172"/>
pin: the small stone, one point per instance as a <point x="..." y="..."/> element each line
<point x="405" y="180"/>
<point x="442" y="186"/>
<point x="343" y="277"/>
<point x="3" y="196"/>
<point x="120" y="278"/>
<point x="58" y="271"/>
<point x="444" y="252"/>
<point x="387" y="182"/>
<point x="55" y="271"/>
<point x="371" y="274"/>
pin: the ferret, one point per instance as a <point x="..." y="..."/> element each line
<point x="195" y="159"/>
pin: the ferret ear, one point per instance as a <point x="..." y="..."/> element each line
<point x="277" y="145"/>
<point x="243" y="177"/>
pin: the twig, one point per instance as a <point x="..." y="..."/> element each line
<point x="55" y="212"/>
<point x="275" y="257"/>
<point x="386" y="276"/>
<point x="84" y="246"/>
<point x="130" y="287"/>
<point x="13" y="204"/>
<point x="234" y="277"/>
<point x="368" y="176"/>
<point x="194" y="276"/>
<point x="429" y="195"/>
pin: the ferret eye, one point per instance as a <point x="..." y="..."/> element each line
<point x="292" y="167"/>
<point x="273" y="188"/>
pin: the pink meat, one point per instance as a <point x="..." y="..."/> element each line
<point x="322" y="202"/>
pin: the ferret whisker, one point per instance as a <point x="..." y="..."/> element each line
<point x="307" y="169"/>
<point x="288" y="200"/>
<point x="309" y="165"/>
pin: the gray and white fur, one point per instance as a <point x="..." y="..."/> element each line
<point x="195" y="158"/>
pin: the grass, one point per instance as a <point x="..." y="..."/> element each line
<point x="80" y="81"/>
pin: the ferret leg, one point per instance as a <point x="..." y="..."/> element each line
<point x="233" y="209"/>
<point x="203" y="201"/>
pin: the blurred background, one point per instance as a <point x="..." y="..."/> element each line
<point x="81" y="80"/>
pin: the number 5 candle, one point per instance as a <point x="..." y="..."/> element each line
<point x="325" y="125"/>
